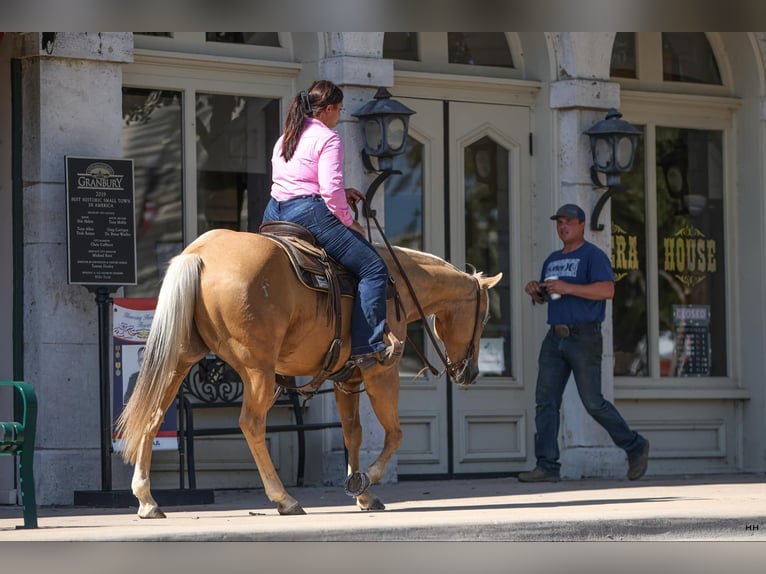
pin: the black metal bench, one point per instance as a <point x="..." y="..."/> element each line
<point x="18" y="439"/>
<point x="214" y="384"/>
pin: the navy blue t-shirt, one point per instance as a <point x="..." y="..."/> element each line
<point x="586" y="264"/>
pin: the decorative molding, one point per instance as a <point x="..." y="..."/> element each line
<point x="217" y="64"/>
<point x="467" y="88"/>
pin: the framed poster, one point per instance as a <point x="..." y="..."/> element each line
<point x="691" y="324"/>
<point x="131" y="323"/>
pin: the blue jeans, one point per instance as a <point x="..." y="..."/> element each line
<point x="355" y="253"/>
<point x="580" y="353"/>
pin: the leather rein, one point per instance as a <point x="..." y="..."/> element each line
<point x="454" y="370"/>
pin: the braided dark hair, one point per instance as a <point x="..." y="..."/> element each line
<point x="320" y="94"/>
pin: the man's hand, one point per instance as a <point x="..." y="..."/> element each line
<point x="534" y="290"/>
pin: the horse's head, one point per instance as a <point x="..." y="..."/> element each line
<point x="459" y="327"/>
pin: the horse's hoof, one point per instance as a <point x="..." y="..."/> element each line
<point x="374" y="504"/>
<point x="356" y="483"/>
<point x="153" y="512"/>
<point x="293" y="509"/>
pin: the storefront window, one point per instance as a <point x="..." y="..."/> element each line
<point x="479" y="49"/>
<point x="235" y="137"/>
<point x="400" y="45"/>
<point x="487" y="239"/>
<point x="251" y="38"/>
<point x="689" y="265"/>
<point x="691" y="254"/>
<point x="624" y="55"/>
<point x="629" y="306"/>
<point x="152" y="138"/>
<point x="687" y="57"/>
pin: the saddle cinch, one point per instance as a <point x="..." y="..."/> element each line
<point x="317" y="270"/>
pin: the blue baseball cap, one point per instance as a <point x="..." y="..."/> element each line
<point x="569" y="210"/>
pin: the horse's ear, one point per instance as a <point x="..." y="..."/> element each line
<point x="489" y="282"/>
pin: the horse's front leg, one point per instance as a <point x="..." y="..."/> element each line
<point x="258" y="397"/>
<point x="356" y="482"/>
<point x="383" y="389"/>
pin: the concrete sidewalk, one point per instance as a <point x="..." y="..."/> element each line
<point x="712" y="507"/>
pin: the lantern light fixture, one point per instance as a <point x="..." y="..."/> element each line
<point x="613" y="144"/>
<point x="385" y="124"/>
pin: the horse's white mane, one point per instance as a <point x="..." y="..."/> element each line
<point x="422" y="255"/>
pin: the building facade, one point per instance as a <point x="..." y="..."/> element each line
<point x="496" y="144"/>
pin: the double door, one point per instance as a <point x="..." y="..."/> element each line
<point x="459" y="197"/>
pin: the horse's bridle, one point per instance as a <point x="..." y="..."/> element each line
<point x="456" y="370"/>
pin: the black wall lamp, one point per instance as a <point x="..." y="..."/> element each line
<point x="385" y="123"/>
<point x="613" y="147"/>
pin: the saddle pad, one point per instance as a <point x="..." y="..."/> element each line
<point x="310" y="262"/>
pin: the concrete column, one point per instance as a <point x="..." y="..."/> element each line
<point x="586" y="448"/>
<point x="72" y="105"/>
<point x="354" y="63"/>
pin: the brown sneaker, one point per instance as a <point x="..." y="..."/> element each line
<point x="637" y="464"/>
<point x="537" y="474"/>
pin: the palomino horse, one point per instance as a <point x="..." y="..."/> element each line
<point x="236" y="294"/>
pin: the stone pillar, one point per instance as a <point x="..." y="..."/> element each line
<point x="72" y="105"/>
<point x="354" y="63"/>
<point x="586" y="448"/>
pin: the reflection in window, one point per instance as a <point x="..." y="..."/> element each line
<point x="400" y="45"/>
<point x="479" y="49"/>
<point x="624" y="55"/>
<point x="687" y="57"/>
<point x="628" y="256"/>
<point x="235" y="137"/>
<point x="151" y="137"/>
<point x="404" y="227"/>
<point x="487" y="241"/>
<point x="250" y="38"/>
<point x="691" y="252"/>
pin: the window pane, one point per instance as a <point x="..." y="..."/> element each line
<point x="151" y="137"/>
<point x="624" y="55"/>
<point x="479" y="49"/>
<point x="235" y="136"/>
<point x="159" y="34"/>
<point x="687" y="57"/>
<point x="251" y="38"/>
<point x="487" y="238"/>
<point x="404" y="198"/>
<point x="690" y="225"/>
<point x="401" y="46"/>
<point x="404" y="227"/>
<point x="629" y="315"/>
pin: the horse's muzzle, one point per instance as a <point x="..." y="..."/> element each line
<point x="466" y="374"/>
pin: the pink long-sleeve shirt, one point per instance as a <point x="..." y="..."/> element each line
<point x="315" y="168"/>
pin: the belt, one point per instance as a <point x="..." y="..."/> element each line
<point x="564" y="331"/>
<point x="309" y="196"/>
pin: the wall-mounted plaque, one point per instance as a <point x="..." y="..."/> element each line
<point x="101" y="229"/>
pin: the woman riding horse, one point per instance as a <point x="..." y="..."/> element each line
<point x="307" y="188"/>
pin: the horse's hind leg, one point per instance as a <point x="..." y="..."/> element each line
<point x="141" y="484"/>
<point x="258" y="396"/>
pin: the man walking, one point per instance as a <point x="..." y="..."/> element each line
<point x="575" y="282"/>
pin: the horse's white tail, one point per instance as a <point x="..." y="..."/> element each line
<point x="170" y="330"/>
